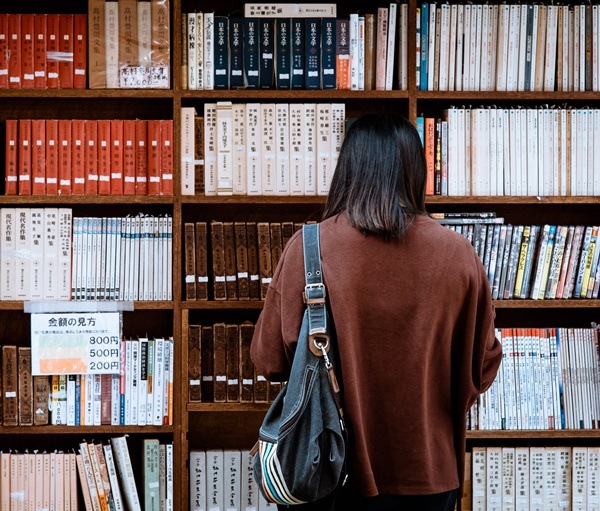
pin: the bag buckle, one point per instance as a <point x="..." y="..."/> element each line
<point x="319" y="345"/>
<point x="314" y="294"/>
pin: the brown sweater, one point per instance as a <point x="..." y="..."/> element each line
<point x="415" y="327"/>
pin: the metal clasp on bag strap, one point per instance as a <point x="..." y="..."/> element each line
<point x="319" y="300"/>
<point x="319" y="345"/>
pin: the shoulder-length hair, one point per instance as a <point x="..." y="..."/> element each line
<point x="379" y="180"/>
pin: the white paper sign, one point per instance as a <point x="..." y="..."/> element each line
<point x="75" y="343"/>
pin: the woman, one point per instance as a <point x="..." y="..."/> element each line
<point x="414" y="318"/>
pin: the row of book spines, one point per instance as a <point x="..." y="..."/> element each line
<point x="141" y="394"/>
<point x="270" y="149"/>
<point x="108" y="481"/>
<point x="358" y="52"/>
<point x="76" y="157"/>
<point x="122" y="258"/>
<point x="495" y="151"/>
<point x="548" y="379"/>
<point x="39" y="51"/>
<point x="129" y="44"/>
<point x="521" y="47"/>
<point x="220" y="368"/>
<point x="224" y="479"/>
<point x="239" y="261"/>
<point x="33" y="480"/>
<point x="539" y="262"/>
<point x="561" y="477"/>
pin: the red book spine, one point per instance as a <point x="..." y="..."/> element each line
<point x="153" y="157"/>
<point x="64" y="157"/>
<point x="79" y="51"/>
<point x="24" y="156"/>
<point x="14" y="51"/>
<point x="27" y="32"/>
<point x="141" y="158"/>
<point x="166" y="157"/>
<point x="39" y="51"/>
<point x="91" y="157"/>
<point x="51" y="157"/>
<point x="65" y="46"/>
<point x="12" y="158"/>
<point x="103" y="157"/>
<point x="38" y="156"/>
<point x="3" y="51"/>
<point x="116" y="165"/>
<point x="129" y="157"/>
<point x="52" y="51"/>
<point x="78" y="156"/>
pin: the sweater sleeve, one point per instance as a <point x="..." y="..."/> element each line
<point x="277" y="328"/>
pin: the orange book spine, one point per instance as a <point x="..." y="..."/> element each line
<point x="25" y="157"/>
<point x="52" y="50"/>
<point x="141" y="158"/>
<point x="78" y="156"/>
<point x="4" y="55"/>
<point x="103" y="157"/>
<point x="38" y="156"/>
<point x="65" y="46"/>
<point x="129" y="157"/>
<point x="39" y="51"/>
<point x="153" y="157"/>
<point x="14" y="51"/>
<point x="51" y="157"/>
<point x="116" y="157"/>
<point x="79" y="51"/>
<point x="64" y="157"/>
<point x="430" y="154"/>
<point x="166" y="157"/>
<point x="11" y="182"/>
<point x="91" y="157"/>
<point x="27" y="33"/>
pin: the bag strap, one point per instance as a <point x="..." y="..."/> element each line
<point x="314" y="290"/>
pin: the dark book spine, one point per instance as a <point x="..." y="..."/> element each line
<point x="283" y="53"/>
<point x="528" y="47"/>
<point x="251" y="53"/>
<point x="266" y="50"/>
<point x="221" y="52"/>
<point x="328" y="48"/>
<point x="312" y="52"/>
<point x="298" y="60"/>
<point x="236" y="53"/>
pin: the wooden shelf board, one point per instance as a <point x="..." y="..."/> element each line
<point x="554" y="433"/>
<point x="83" y="430"/>
<point x="82" y="94"/>
<point x="150" y="305"/>
<point x="227" y="407"/>
<point x="281" y="95"/>
<point x="546" y="304"/>
<point x="86" y="199"/>
<point x="223" y="304"/>
<point x="439" y="199"/>
<point x="508" y="96"/>
<point x="252" y="199"/>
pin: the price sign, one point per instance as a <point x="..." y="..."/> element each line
<point x="75" y="343"/>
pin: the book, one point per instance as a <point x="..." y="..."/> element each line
<point x="288" y="10"/>
<point x="125" y="471"/>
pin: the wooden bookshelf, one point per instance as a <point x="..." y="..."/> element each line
<point x="197" y="425"/>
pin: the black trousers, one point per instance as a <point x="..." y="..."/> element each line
<point x="347" y="500"/>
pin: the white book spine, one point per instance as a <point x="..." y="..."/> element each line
<point x="209" y="50"/>
<point x="187" y="150"/>
<point x="551" y="40"/>
<point x="444" y="47"/>
<point x="268" y="120"/>
<point x="23" y="245"/>
<point x="240" y="174"/>
<point x="310" y="148"/>
<point x="210" y="149"/>
<point x="452" y="49"/>
<point x="249" y="488"/>
<point x="113" y="477"/>
<point x="403" y="47"/>
<point x="579" y="482"/>
<point x="215" y="480"/>
<point x="198" y="480"/>
<point x="282" y="137"/>
<point x="50" y="253"/>
<point x="144" y="33"/>
<point x="232" y="477"/>
<point x="200" y="50"/>
<point x="354" y="51"/>
<point x="361" y="53"/>
<point x="476" y="41"/>
<point x="323" y="116"/>
<point x="391" y="45"/>
<point x="253" y="148"/>
<point x="224" y="138"/>
<point x="460" y="28"/>
<point x="296" y="149"/>
<point x="37" y="254"/>
<point x="479" y="478"/>
<point x="338" y="123"/>
<point x="158" y="382"/>
<point x="502" y="54"/>
<point x="192" y="62"/>
<point x="125" y="471"/>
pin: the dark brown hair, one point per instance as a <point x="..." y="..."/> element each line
<point x="379" y="180"/>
